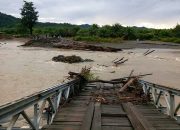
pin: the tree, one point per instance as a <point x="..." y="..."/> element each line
<point x="93" y="30"/>
<point x="117" y="30"/>
<point x="176" y="31"/>
<point x="130" y="33"/>
<point x="105" y="31"/>
<point x="29" y="15"/>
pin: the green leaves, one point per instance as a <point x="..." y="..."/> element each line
<point x="29" y="15"/>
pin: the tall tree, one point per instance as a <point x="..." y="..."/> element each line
<point x="93" y="30"/>
<point x="176" y="31"/>
<point x="29" y="15"/>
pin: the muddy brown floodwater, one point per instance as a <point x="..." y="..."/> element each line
<point x="24" y="71"/>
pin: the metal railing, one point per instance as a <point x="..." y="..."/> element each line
<point x="162" y="94"/>
<point x="49" y="99"/>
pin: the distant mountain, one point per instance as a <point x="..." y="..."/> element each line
<point x="11" y="21"/>
<point x="8" y="20"/>
<point x="85" y="25"/>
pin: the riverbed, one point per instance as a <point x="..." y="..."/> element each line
<point x="25" y="70"/>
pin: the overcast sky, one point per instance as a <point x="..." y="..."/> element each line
<point x="149" y="13"/>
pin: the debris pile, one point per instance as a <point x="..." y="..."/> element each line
<point x="87" y="47"/>
<point x="5" y="36"/>
<point x="126" y="90"/>
<point x="42" y="42"/>
<point x="70" y="59"/>
<point x="115" y="91"/>
<point x="67" y="44"/>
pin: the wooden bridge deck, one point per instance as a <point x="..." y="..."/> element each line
<point x="83" y="113"/>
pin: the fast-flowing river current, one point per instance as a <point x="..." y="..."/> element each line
<point x="24" y="71"/>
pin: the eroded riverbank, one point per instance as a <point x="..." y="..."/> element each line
<point x="24" y="71"/>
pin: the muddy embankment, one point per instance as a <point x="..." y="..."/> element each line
<point x="5" y="36"/>
<point x="68" y="44"/>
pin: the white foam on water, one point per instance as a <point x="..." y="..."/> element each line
<point x="177" y="59"/>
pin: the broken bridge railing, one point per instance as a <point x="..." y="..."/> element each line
<point x="48" y="99"/>
<point x="165" y="98"/>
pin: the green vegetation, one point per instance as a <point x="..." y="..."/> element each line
<point x="87" y="74"/>
<point x="173" y="39"/>
<point x="90" y="33"/>
<point x="97" y="39"/>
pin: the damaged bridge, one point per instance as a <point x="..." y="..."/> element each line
<point x="77" y="105"/>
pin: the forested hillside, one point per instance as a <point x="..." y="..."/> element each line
<point x="7" y="20"/>
<point x="90" y="33"/>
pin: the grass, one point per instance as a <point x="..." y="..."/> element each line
<point x="87" y="74"/>
<point x="98" y="39"/>
<point x="173" y="39"/>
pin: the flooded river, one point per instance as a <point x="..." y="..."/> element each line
<point x="24" y="71"/>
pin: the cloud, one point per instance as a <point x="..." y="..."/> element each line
<point x="150" y="13"/>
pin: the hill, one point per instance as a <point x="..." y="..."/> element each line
<point x="11" y="21"/>
<point x="8" y="20"/>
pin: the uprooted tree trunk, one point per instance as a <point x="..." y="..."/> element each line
<point x="129" y="82"/>
<point x="148" y="52"/>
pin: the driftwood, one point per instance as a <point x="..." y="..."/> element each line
<point x="109" y="88"/>
<point x="120" y="62"/>
<point x="106" y="81"/>
<point x="103" y="65"/>
<point x="129" y="82"/>
<point x="139" y="76"/>
<point x="132" y="71"/>
<point x="148" y="52"/>
<point x="116" y="61"/>
<point x="119" y="80"/>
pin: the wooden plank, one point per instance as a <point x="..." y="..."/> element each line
<point x="79" y="102"/>
<point x="72" y="109"/>
<point x="66" y="123"/>
<point x="69" y="113"/>
<point x="148" y="106"/>
<point x="76" y="105"/>
<point x="114" y="115"/>
<point x="82" y="98"/>
<point x="74" y="113"/>
<point x="87" y="120"/>
<point x="137" y="119"/>
<point x="85" y="94"/>
<point x="158" y="117"/>
<point x="168" y="128"/>
<point x="167" y="121"/>
<point x="116" y="121"/>
<point x="166" y="125"/>
<point x="112" y="110"/>
<point x="69" y="118"/>
<point x="116" y="128"/>
<point x="63" y="128"/>
<point x="148" y="110"/>
<point x="96" y="123"/>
